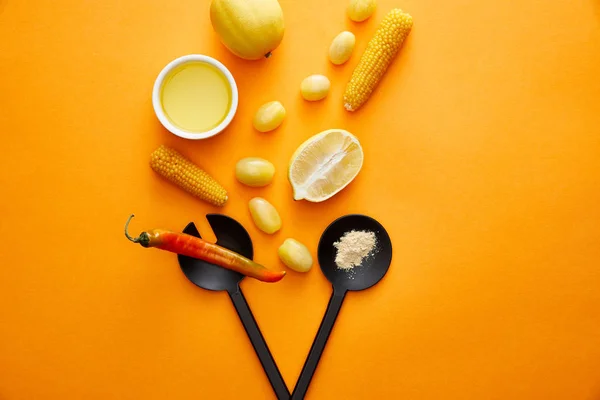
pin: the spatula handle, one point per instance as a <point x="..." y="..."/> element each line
<point x="259" y="344"/>
<point x="333" y="309"/>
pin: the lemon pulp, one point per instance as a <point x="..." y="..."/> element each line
<point x="196" y="97"/>
<point x="324" y="165"/>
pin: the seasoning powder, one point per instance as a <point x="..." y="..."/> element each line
<point x="353" y="247"/>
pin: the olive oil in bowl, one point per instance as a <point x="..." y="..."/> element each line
<point x="195" y="97"/>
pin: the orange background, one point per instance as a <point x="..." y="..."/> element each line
<point x="481" y="160"/>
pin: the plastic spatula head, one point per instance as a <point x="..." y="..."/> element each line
<point x="231" y="235"/>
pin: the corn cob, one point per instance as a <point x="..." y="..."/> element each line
<point x="179" y="170"/>
<point x="377" y="57"/>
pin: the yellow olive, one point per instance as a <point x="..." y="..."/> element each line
<point x="295" y="255"/>
<point x="269" y="116"/>
<point x="360" y="10"/>
<point x="315" y="87"/>
<point x="341" y="48"/>
<point x="264" y="215"/>
<point x="254" y="171"/>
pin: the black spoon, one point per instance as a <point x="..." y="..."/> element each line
<point x="232" y="235"/>
<point x="372" y="269"/>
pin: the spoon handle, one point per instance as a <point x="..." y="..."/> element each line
<point x="333" y="309"/>
<point x="259" y="344"/>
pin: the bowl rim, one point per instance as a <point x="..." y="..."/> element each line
<point x="157" y="104"/>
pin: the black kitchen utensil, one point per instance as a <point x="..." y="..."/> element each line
<point x="232" y="235"/>
<point x="372" y="269"/>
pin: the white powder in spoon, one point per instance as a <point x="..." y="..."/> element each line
<point x="353" y="247"/>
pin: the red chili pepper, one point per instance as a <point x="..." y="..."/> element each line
<point x="192" y="246"/>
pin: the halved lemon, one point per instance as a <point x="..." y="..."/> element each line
<point x="325" y="164"/>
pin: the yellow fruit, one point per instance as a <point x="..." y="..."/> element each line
<point x="315" y="87"/>
<point x="295" y="255"/>
<point x="341" y="48"/>
<point x="264" y="215"/>
<point x="254" y="171"/>
<point x="360" y="10"/>
<point x="250" y="29"/>
<point x="269" y="116"/>
<point x="325" y="164"/>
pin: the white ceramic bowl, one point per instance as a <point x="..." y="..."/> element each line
<point x="160" y="112"/>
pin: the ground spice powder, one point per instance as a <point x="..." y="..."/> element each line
<point x="353" y="247"/>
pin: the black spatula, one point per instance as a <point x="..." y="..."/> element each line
<point x="361" y="277"/>
<point x="232" y="235"/>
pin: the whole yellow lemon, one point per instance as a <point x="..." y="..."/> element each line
<point x="250" y="29"/>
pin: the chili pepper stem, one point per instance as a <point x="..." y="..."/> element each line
<point x="143" y="239"/>
<point x="134" y="240"/>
